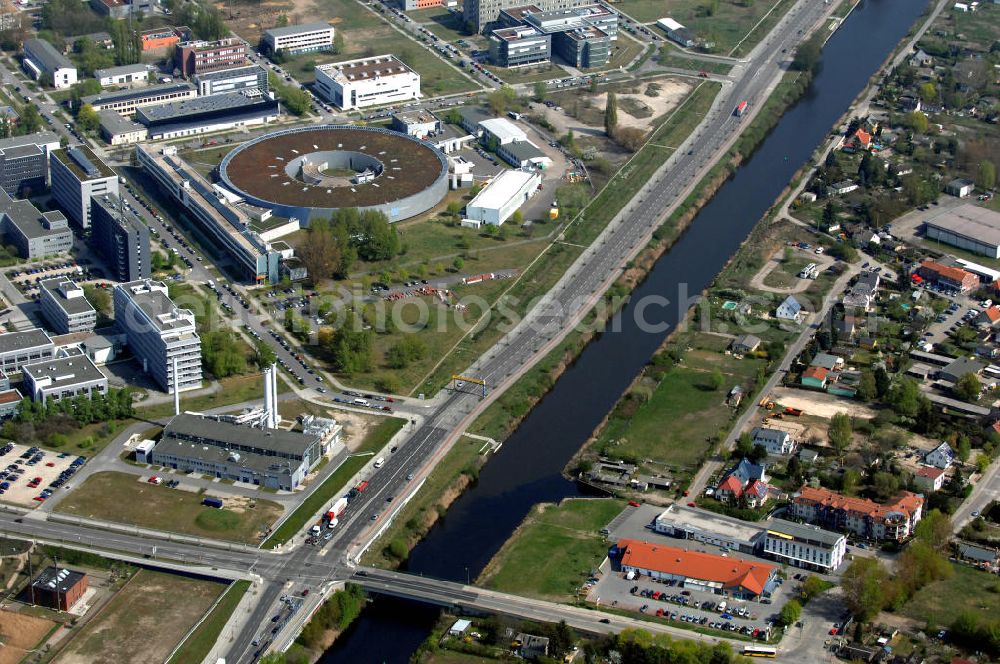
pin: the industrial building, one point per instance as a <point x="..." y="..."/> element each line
<point x="203" y="115"/>
<point x="57" y="588"/>
<point x="65" y="307"/>
<point x="64" y="378"/>
<point x="742" y="579"/>
<point x="382" y="79"/>
<point x="524" y="155"/>
<point x="116" y="129"/>
<point x="42" y="59"/>
<point x="120" y="9"/>
<point x="20" y="348"/>
<point x="227" y="224"/>
<point x="894" y="520"/>
<point x="968" y="227"/>
<point x="252" y="77"/>
<point x="804" y="545"/>
<point x="271" y="458"/>
<point x="304" y="38"/>
<point x="137" y="74"/>
<point x="198" y="57"/>
<point x="121" y="239"/>
<point x="78" y="175"/>
<point x="126" y="102"/>
<point x="519" y="46"/>
<point x="710" y="528"/>
<point x="158" y="333"/>
<point x="35" y="234"/>
<point x="502" y="197"/>
<point x="24" y="162"/>
<point x="677" y="32"/>
<point x="417" y="123"/>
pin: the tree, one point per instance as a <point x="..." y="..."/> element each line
<point x="964" y="448"/>
<point x="502" y="99"/>
<point x="716" y="379"/>
<point x="744" y="445"/>
<point x="611" y="114"/>
<point x="458" y="264"/>
<point x="516" y="218"/>
<point x="968" y="387"/>
<point x="862" y="584"/>
<point x="904" y="397"/>
<point x="98" y="298"/>
<point x="790" y="612"/>
<point x="867" y="388"/>
<point x="321" y="255"/>
<point x="840" y="432"/>
<point x="917" y="121"/>
<point x="812" y="586"/>
<point x="934" y="529"/>
<point x="540" y="90"/>
<point x="928" y="92"/>
<point x="807" y="55"/>
<point x="407" y="350"/>
<point x="338" y="42"/>
<point x="630" y="138"/>
<point x="87" y="119"/>
<point x="885" y="485"/>
<point x="986" y="175"/>
<point x="264" y="355"/>
<point x="30" y="120"/>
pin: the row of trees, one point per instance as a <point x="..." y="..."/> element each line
<point x="116" y="405"/>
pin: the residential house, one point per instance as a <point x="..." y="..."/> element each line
<point x="828" y="362"/>
<point x="990" y="317"/>
<point x="910" y="104"/>
<point x="929" y="478"/>
<point x="746" y="343"/>
<point x="960" y="187"/>
<point x="978" y="555"/>
<point x="947" y="276"/>
<point x="841" y="188"/>
<point x="921" y="59"/>
<point x="531" y="647"/>
<point x="775" y="441"/>
<point x="807" y="455"/>
<point x="859" y="140"/>
<point x="941" y="457"/>
<point x="815" y="377"/>
<point x="746" y="481"/>
<point x="790" y="309"/>
<point x="857" y="300"/>
<point x="846" y="327"/>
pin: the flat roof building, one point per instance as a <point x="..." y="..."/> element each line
<point x="65" y="307"/>
<point x="137" y="74"/>
<point x="198" y="57"/>
<point x="78" y="174"/>
<point x="35" y="234"/>
<point x="804" y="545"/>
<point x="64" y="378"/>
<point x="160" y="39"/>
<point x="158" y="332"/>
<point x="126" y="102"/>
<point x="20" y="348"/>
<point x="121" y="239"/>
<point x="419" y="123"/>
<point x="116" y="129"/>
<point x="381" y="79"/>
<point x="251" y="77"/>
<point x="24" y="162"/>
<point x="524" y="155"/>
<point x="202" y="115"/>
<point x="519" y="46"/>
<point x="709" y="527"/>
<point x="271" y="458"/>
<point x="304" y="38"/>
<point x="42" y="59"/>
<point x="58" y="588"/>
<point x="482" y="13"/>
<point x="968" y="227"/>
<point x="502" y="197"/>
<point x="699" y="571"/>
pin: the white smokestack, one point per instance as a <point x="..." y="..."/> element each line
<point x="177" y="390"/>
<point x="275" y="417"/>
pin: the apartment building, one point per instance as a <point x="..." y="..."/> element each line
<point x="804" y="545"/>
<point x="894" y="520"/>
<point x="65" y="307"/>
<point x="120" y="238"/>
<point x="305" y="38"/>
<point x="382" y="79"/>
<point x="158" y="332"/>
<point x="198" y="57"/>
<point x="78" y="175"/>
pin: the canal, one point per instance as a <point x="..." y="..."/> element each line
<point x="527" y="469"/>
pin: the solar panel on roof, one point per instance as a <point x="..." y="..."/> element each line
<point x="77" y="155"/>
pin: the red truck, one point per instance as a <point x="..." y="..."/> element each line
<point x="741" y="108"/>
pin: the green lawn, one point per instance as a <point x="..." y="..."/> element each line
<point x="233" y="390"/>
<point x="981" y="26"/>
<point x="554" y="550"/>
<point x="786" y="274"/>
<point x="335" y="483"/>
<point x="124" y="498"/>
<point x="679" y="422"/>
<point x="542" y="72"/>
<point x="968" y="589"/>
<point x="671" y="57"/>
<point x="444" y="24"/>
<point x="200" y="642"/>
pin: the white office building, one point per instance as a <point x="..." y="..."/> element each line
<point x="78" y="175"/>
<point x="64" y="377"/>
<point x="373" y="81"/>
<point x="293" y="39"/>
<point x="502" y="197"/>
<point x="804" y="545"/>
<point x="65" y="307"/>
<point x="158" y="332"/>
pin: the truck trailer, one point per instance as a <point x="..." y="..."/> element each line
<point x="741" y="108"/>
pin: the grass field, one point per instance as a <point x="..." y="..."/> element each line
<point x="729" y="24"/>
<point x="200" y="642"/>
<point x="786" y="274"/>
<point x="968" y="589"/>
<point x="678" y="423"/>
<point x="672" y="57"/>
<point x="233" y="390"/>
<point x="554" y="550"/>
<point x="123" y="498"/>
<point x="335" y="483"/>
<point x="144" y="621"/>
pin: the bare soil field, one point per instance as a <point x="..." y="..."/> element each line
<point x="820" y="404"/>
<point x="586" y="116"/>
<point x="144" y="621"/>
<point x="19" y="634"/>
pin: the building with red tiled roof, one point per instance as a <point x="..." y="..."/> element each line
<point x="954" y="278"/>
<point x="700" y="571"/>
<point x="929" y="478"/>
<point x="990" y="316"/>
<point x="815" y="377"/>
<point x="894" y="520"/>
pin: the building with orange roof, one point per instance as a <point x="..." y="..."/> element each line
<point x="815" y="377"/>
<point x="948" y="276"/>
<point x="894" y="520"/>
<point x="699" y="571"/>
<point x="990" y="317"/>
<point x="929" y="478"/>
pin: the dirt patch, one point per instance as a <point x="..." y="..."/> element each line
<point x="820" y="404"/>
<point x="20" y="633"/>
<point x="587" y="109"/>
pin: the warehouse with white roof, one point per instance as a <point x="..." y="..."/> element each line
<point x="501" y="198"/>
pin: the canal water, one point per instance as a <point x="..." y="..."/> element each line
<point x="527" y="469"/>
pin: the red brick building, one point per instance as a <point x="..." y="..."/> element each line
<point x="57" y="588"/>
<point x="199" y="57"/>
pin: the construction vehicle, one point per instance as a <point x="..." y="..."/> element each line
<point x="795" y="412"/>
<point x="766" y="402"/>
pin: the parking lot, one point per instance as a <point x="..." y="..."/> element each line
<point x="31" y="475"/>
